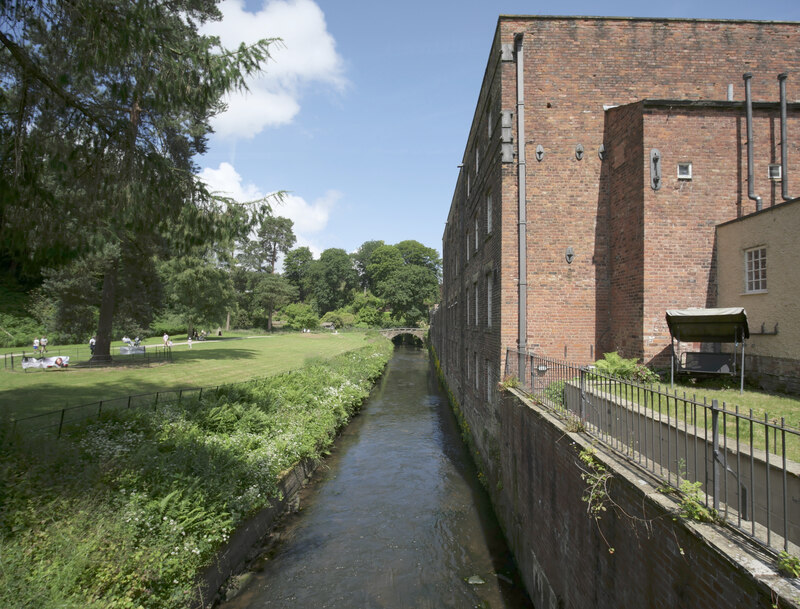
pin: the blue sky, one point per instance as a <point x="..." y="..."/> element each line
<point x="364" y="113"/>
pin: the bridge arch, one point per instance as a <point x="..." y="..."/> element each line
<point x="392" y="333"/>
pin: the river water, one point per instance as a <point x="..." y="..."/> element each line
<point x="395" y="518"/>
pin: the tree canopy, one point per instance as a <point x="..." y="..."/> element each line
<point x="104" y="107"/>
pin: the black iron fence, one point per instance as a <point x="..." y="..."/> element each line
<point x="746" y="465"/>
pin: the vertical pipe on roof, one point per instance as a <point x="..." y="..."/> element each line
<point x="784" y="143"/>
<point x="748" y="101"/>
<point x="522" y="223"/>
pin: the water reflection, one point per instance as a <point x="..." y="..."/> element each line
<point x="395" y="518"/>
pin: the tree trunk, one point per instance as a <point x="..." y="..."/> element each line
<point x="102" y="348"/>
<point x="228" y="323"/>
<point x="269" y="321"/>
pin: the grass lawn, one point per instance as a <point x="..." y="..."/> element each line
<point x="207" y="364"/>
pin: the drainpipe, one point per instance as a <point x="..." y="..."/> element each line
<point x="748" y="100"/>
<point x="784" y="143"/>
<point x="522" y="340"/>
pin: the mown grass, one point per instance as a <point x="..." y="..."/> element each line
<point x="124" y="511"/>
<point x="765" y="406"/>
<point x="207" y="364"/>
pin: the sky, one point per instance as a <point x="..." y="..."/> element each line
<point x="363" y="112"/>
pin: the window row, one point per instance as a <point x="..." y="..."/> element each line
<point x="475" y="374"/>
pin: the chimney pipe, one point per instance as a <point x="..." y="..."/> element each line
<point x="784" y="143"/>
<point x="749" y="106"/>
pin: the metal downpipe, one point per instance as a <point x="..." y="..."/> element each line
<point x="784" y="142"/>
<point x="748" y="101"/>
<point x="522" y="339"/>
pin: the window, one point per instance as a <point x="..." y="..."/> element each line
<point x="468" y="246"/>
<point x="475" y="289"/>
<point x="489" y="383"/>
<point x="489" y="300"/>
<point x="774" y="172"/>
<point x="476" y="232"/>
<point x="755" y="270"/>
<point x="488" y="213"/>
<point x="684" y="171"/>
<point x="467" y="183"/>
<point x="477" y="160"/>
<point x="467" y="300"/>
<point x="477" y="374"/>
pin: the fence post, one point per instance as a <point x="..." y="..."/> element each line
<point x="61" y="423"/>
<point x="100" y="408"/>
<point x="715" y="450"/>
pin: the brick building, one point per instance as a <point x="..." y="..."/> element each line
<point x="635" y="149"/>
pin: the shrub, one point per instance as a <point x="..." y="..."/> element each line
<point x="617" y="366"/>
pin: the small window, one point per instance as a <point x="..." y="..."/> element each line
<point x="477" y="160"/>
<point x="468" y="246"/>
<point x="468" y="303"/>
<point x="489" y="287"/>
<point x="475" y="289"/>
<point x="477" y="371"/>
<point x="488" y="213"/>
<point x="684" y="171"/>
<point x="755" y="269"/>
<point x="476" y="233"/>
<point x="774" y="172"/>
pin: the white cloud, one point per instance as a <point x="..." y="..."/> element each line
<point x="306" y="55"/>
<point x="309" y="218"/>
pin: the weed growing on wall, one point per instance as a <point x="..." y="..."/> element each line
<point x="788" y="565"/>
<point x="125" y="511"/>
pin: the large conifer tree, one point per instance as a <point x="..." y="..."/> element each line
<point x="104" y="106"/>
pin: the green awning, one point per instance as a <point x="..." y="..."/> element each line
<point x="726" y="325"/>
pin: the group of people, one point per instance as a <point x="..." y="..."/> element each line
<point x="40" y="346"/>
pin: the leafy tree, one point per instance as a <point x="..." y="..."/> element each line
<point x="332" y="280"/>
<point x="198" y="290"/>
<point x="409" y="292"/>
<point x="383" y="262"/>
<point x="104" y="106"/>
<point x="296" y="266"/>
<point x="415" y="253"/>
<point x="274" y="236"/>
<point x="273" y="292"/>
<point x="361" y="260"/>
<point x="300" y="315"/>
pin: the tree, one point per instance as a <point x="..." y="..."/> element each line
<point x="409" y="292"/>
<point x="415" y="253"/>
<point x="104" y="106"/>
<point x="275" y="236"/>
<point x="296" y="267"/>
<point x="385" y="260"/>
<point x="273" y="292"/>
<point x="361" y="260"/>
<point x="198" y="290"/>
<point x="300" y="316"/>
<point x="332" y="279"/>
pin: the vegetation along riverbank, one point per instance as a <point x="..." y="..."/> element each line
<point x="125" y="511"/>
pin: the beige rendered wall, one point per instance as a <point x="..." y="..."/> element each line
<point x="778" y="229"/>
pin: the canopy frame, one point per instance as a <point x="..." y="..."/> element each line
<point x="722" y="325"/>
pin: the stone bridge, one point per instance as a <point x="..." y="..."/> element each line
<point x="391" y="333"/>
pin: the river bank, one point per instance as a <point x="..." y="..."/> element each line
<point x="126" y="511"/>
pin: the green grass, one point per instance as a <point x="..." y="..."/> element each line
<point x="763" y="404"/>
<point x="207" y="364"/>
<point x="126" y="509"/>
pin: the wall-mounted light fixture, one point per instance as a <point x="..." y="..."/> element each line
<point x="539" y="152"/>
<point x="570" y="255"/>
<point x="601" y="152"/>
<point x="655" y="169"/>
<point x="579" y="152"/>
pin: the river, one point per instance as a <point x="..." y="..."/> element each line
<point x="394" y="518"/>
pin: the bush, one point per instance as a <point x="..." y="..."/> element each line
<point x="614" y="365"/>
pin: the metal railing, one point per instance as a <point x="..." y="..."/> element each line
<point x="83" y="357"/>
<point x="746" y="465"/>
